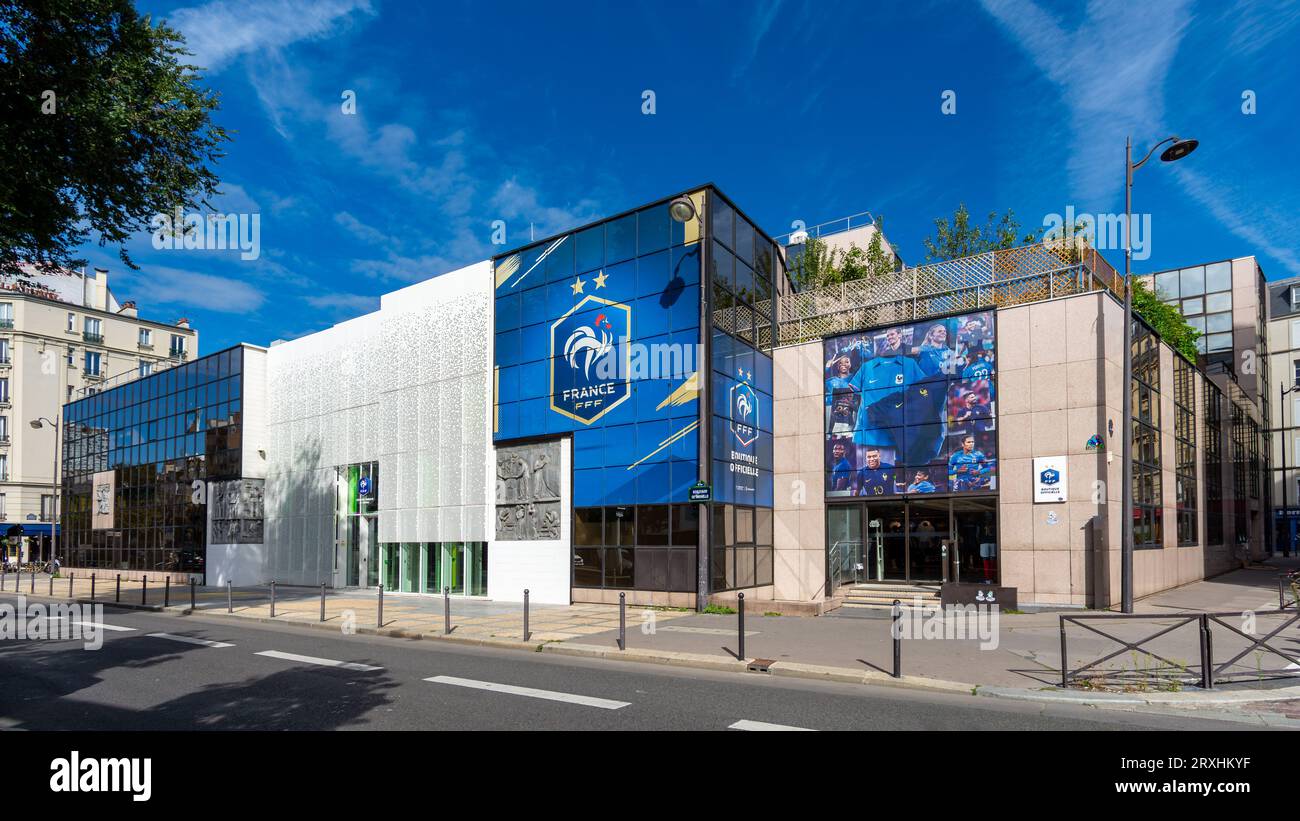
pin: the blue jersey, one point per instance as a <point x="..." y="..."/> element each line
<point x="837" y="383"/>
<point x="841" y="474"/>
<point x="979" y="369"/>
<point x="930" y="360"/>
<point x="966" y="470"/>
<point x="921" y="487"/>
<point x="881" y="380"/>
<point x="877" y="482"/>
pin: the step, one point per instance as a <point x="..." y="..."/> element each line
<point x="924" y="608"/>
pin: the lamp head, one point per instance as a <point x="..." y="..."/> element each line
<point x="37" y="424"/>
<point x="1181" y="148"/>
<point x="682" y="209"/>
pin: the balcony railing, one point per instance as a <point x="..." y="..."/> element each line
<point x="996" y="279"/>
<point x="97" y="339"/>
<point x="6" y="324"/>
<point x="178" y="353"/>
<point x="95" y="375"/>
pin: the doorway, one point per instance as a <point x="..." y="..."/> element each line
<point x="924" y="540"/>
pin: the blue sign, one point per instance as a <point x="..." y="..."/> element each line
<point x="363" y="486"/>
<point x="591" y="359"/>
<point x="1050" y="476"/>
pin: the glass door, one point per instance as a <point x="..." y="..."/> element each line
<point x="886" y="524"/>
<point x="927" y="524"/>
<point x="844" y="536"/>
<point x="975" y="542"/>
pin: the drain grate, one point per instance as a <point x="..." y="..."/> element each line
<point x="760" y="665"/>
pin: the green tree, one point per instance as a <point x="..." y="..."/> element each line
<point x="1167" y="321"/>
<point x="820" y="266"/>
<point x="103" y="126"/>
<point x="958" y="237"/>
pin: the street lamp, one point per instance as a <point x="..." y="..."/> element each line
<point x="1178" y="148"/>
<point x="37" y="424"/>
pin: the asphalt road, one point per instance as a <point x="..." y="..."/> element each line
<point x="138" y="681"/>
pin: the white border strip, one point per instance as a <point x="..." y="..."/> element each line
<point x="529" y="692"/>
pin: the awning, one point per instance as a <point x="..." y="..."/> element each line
<point x="30" y="528"/>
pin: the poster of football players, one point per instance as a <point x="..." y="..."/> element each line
<point x="911" y="409"/>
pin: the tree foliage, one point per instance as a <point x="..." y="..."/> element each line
<point x="821" y="266"/>
<point x="103" y="125"/>
<point x="1167" y="321"/>
<point x="958" y="237"/>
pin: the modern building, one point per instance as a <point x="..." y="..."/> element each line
<point x="62" y="334"/>
<point x="1284" y="401"/>
<point x="164" y="474"/>
<point x="644" y="407"/>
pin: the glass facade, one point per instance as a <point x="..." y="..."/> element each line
<point x="1204" y="295"/>
<point x="1148" y="509"/>
<point x="636" y="547"/>
<point x="1213" y="464"/>
<point x="132" y="455"/>
<point x="1185" y="445"/>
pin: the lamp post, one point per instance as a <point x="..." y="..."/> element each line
<point x="37" y="424"/>
<point x="1178" y="149"/>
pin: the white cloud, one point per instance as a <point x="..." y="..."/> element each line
<point x="222" y="30"/>
<point x="160" y="285"/>
<point x="348" y="304"/>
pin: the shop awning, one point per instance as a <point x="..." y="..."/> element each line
<point x="30" y="529"/>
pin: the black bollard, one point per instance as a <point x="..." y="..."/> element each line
<point x="144" y="590"/>
<point x="192" y="607"/>
<point x="526" y="631"/>
<point x="898" y="639"/>
<point x="446" y="610"/>
<point x="322" y="601"/>
<point x="117" y="597"/>
<point x="51" y="582"/>
<point x="71" y="576"/>
<point x="740" y="620"/>
<point x="92" y="586"/>
<point x="230" y="598"/>
<point x="379" y="622"/>
<point x="167" y="591"/>
<point x="272" y="598"/>
<point x="622" y="621"/>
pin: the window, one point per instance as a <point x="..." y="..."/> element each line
<point x="47" y="507"/>
<point x="1295" y="297"/>
<point x="4" y="389"/>
<point x="177" y="347"/>
<point x="4" y="428"/>
<point x="146" y="367"/>
<point x="93" y="363"/>
<point x="6" y="314"/>
<point x="1148" y="509"/>
<point x="1295" y="372"/>
<point x="2" y="507"/>
<point x="1213" y="464"/>
<point x="650" y="547"/>
<point x="94" y="330"/>
<point x="1185" y="449"/>
<point x="72" y="322"/>
<point x="4" y="467"/>
<point x="146" y="338"/>
<point x="4" y="352"/>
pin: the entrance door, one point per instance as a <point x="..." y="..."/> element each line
<point x="887" y="528"/>
<point x="844" y="535"/>
<point x="975" y="541"/>
<point x="927" y="524"/>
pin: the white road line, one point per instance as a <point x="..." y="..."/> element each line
<point x="549" y="695"/>
<point x="188" y="640"/>
<point x="346" y="665"/>
<point x="114" y="627"/>
<point x="746" y="724"/>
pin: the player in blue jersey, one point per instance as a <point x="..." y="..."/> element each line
<point x="980" y="366"/>
<point x="967" y="467"/>
<point x="876" y="478"/>
<point x="921" y="483"/>
<point x="842" y="472"/>
<point x="934" y="352"/>
<point x="881" y="380"/>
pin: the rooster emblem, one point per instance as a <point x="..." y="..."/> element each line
<point x="585" y="344"/>
<point x="742" y="405"/>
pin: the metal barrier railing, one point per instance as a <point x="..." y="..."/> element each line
<point x="1179" y="672"/>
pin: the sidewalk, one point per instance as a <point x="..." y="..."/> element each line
<point x="1023" y="661"/>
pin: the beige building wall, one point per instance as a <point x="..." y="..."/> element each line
<point x="47" y="330"/>
<point x="798" y="474"/>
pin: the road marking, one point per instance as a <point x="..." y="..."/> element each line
<point x="746" y="724"/>
<point x="549" y="695"/>
<point x="114" y="627"/>
<point x="188" y="640"/>
<point x="346" y="665"/>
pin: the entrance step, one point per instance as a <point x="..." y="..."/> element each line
<point x="882" y="596"/>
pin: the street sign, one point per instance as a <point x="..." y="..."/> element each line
<point x="701" y="492"/>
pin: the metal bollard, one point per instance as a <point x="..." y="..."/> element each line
<point x="4" y="577"/>
<point x="446" y="611"/>
<point x="230" y="598"/>
<point x="51" y="582"/>
<point x="272" y="598"/>
<point x="167" y="591"/>
<point x="192" y="606"/>
<point x="740" y="620"/>
<point x="322" y="601"/>
<point x="379" y="622"/>
<point x="1205" y="651"/>
<point x="117" y="597"/>
<point x="1209" y="656"/>
<point x="526" y="631"/>
<point x="144" y="590"/>
<point x="898" y="639"/>
<point x="33" y="588"/>
<point x="622" y="621"/>
<point x="71" y="576"/>
<point x="92" y="586"/>
<point x="1065" y="667"/>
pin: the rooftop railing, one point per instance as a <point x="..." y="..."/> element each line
<point x="996" y="279"/>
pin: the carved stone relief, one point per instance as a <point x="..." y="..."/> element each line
<point x="237" y="511"/>
<point x="528" y="492"/>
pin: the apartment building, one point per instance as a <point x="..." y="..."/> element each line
<point x="1284" y="397"/>
<point x="63" y="335"/>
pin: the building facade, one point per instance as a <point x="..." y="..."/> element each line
<point x="1284" y="400"/>
<point x="644" y="408"/>
<point x="63" y="334"/>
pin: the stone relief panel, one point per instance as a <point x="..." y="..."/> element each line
<point x="238" y="511"/>
<point x="528" y="492"/>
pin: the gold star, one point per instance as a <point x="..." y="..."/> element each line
<point x="577" y="286"/>
<point x="600" y="279"/>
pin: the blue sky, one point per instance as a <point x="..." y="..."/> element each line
<point x="531" y="113"/>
